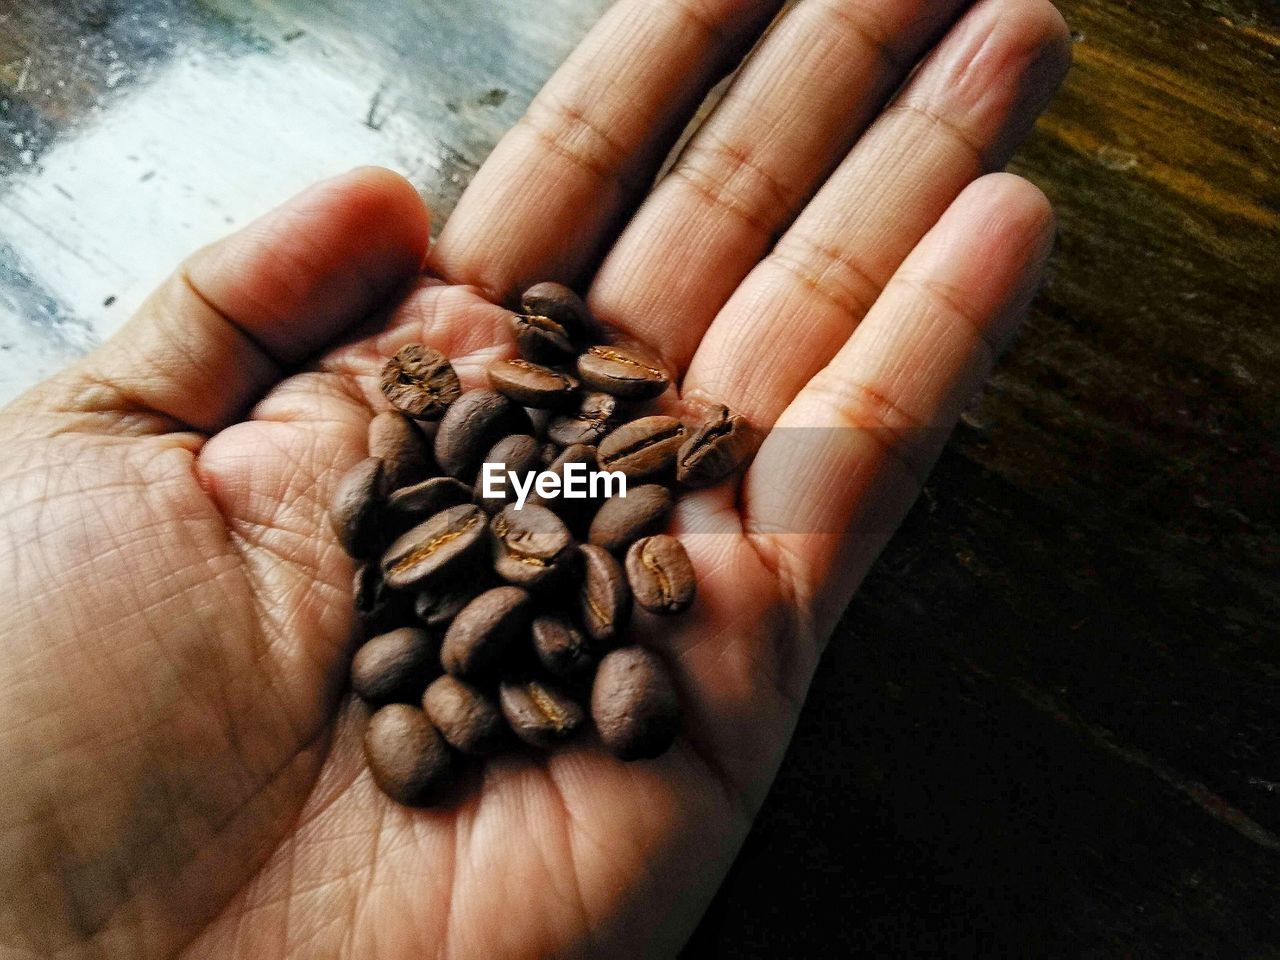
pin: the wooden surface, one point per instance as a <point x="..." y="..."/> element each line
<point x="1050" y="724"/>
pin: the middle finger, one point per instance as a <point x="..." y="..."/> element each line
<point x="795" y="108"/>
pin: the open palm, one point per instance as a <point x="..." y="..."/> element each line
<point x="183" y="765"/>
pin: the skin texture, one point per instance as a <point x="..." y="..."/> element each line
<point x="183" y="769"/>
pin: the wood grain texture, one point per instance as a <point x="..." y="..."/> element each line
<point x="1050" y="723"/>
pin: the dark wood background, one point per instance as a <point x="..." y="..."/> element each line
<point x="1050" y="724"/>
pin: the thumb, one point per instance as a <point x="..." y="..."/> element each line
<point x="236" y="315"/>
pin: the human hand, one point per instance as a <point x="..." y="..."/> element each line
<point x="183" y="766"/>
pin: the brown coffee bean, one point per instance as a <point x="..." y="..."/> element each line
<point x="518" y="453"/>
<point x="661" y="575"/>
<point x="562" y="648"/>
<point x="588" y="423"/>
<point x="396" y="440"/>
<point x="531" y="384"/>
<point x="437" y="547"/>
<point x="439" y="603"/>
<point x="561" y="305"/>
<point x="531" y="545"/>
<point x="470" y="428"/>
<point x="539" y="713"/>
<point x="407" y="757"/>
<point x="542" y="340"/>
<point x="420" y="382"/>
<point x="409" y="506"/>
<point x="624" y="370"/>
<point x="356" y="507"/>
<point x="604" y="599"/>
<point x="483" y="631"/>
<point x="622" y="520"/>
<point x="716" y="448"/>
<point x="395" y="666"/>
<point x="468" y="719"/>
<point x="378" y="608"/>
<point x="634" y="704"/>
<point x="643" y="448"/>
<point x="570" y="509"/>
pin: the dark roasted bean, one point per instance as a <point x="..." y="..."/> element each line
<point x="409" y="506"/>
<point x="407" y="757"/>
<point x="714" y="450"/>
<point x="624" y="370"/>
<point x="604" y="599"/>
<point x="622" y="520"/>
<point x="481" y="633"/>
<point x="378" y="608"/>
<point x="562" y="306"/>
<point x="661" y="576"/>
<point x="356" y="507"/>
<point x="561" y="647"/>
<point x="575" y="512"/>
<point x="436" y="548"/>
<point x="420" y="382"/>
<point x="541" y="339"/>
<point x="468" y="719"/>
<point x="532" y="384"/>
<point x="438" y="603"/>
<point x="470" y="428"/>
<point x="531" y="545"/>
<point x="539" y="713"/>
<point x="588" y="423"/>
<point x="395" y="666"/>
<point x="634" y="704"/>
<point x="396" y="440"/>
<point x="518" y="453"/>
<point x="643" y="448"/>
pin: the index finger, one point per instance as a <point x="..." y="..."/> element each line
<point x="559" y="184"/>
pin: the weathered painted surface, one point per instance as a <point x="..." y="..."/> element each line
<point x="1049" y="724"/>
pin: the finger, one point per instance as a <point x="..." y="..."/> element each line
<point x="864" y="432"/>
<point x="971" y="102"/>
<point x="238" y="314"/>
<point x="792" y="112"/>
<point x="553" y="189"/>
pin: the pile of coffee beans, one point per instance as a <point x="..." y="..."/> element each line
<point x="491" y="616"/>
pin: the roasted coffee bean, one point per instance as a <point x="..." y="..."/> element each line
<point x="541" y="339"/>
<point x="532" y="384"/>
<point x="716" y="448"/>
<point x="643" y="448"/>
<point x="520" y="454"/>
<point x="660" y="574"/>
<point x="407" y="757"/>
<point x="570" y="509"/>
<point x="634" y="704"/>
<point x="531" y="545"/>
<point x="484" y="629"/>
<point x="378" y="608"/>
<point x="622" y="520"/>
<point x="588" y="423"/>
<point x="420" y="382"/>
<point x="395" y="666"/>
<point x="469" y="720"/>
<point x="561" y="647"/>
<point x="356" y="507"/>
<point x="562" y="306"/>
<point x="475" y="422"/>
<point x="624" y="370"/>
<point x="539" y="713"/>
<point x="604" y="599"/>
<point x="409" y="506"/>
<point x="396" y="440"/>
<point x="436" y="548"/>
<point x="438" y="603"/>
